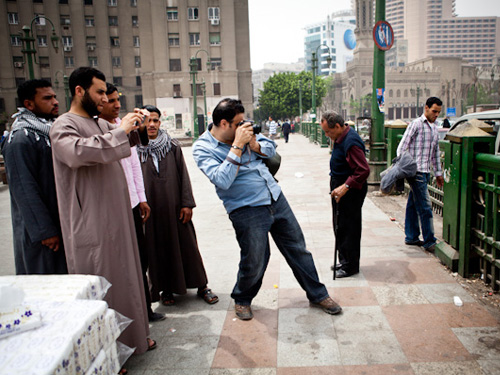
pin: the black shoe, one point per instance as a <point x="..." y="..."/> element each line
<point x="415" y="243"/>
<point x="343" y="273"/>
<point x="155" y="317"/>
<point x="431" y="248"/>
<point x="243" y="312"/>
<point x="337" y="267"/>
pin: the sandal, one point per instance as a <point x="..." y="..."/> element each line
<point x="167" y="299"/>
<point x="208" y="296"/>
<point x="151" y="344"/>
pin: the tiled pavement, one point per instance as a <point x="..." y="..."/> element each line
<point x="398" y="317"/>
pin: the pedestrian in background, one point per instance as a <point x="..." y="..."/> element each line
<point x="272" y="128"/>
<point x="286" y="128"/>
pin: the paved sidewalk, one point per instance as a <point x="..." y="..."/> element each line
<point x="398" y="318"/>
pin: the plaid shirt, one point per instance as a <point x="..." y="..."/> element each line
<point x="421" y="139"/>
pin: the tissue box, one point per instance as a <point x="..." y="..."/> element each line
<point x="19" y="319"/>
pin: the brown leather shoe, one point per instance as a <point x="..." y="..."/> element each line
<point x="329" y="306"/>
<point x="243" y="312"/>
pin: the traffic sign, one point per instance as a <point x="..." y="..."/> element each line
<point x="383" y="36"/>
<point x="451" y="112"/>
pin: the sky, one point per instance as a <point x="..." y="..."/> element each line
<point x="276" y="26"/>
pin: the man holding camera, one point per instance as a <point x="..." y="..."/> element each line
<point x="230" y="154"/>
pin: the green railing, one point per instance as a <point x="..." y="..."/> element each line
<point x="485" y="225"/>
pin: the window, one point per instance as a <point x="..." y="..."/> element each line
<point x="216" y="89"/>
<point x="65" y="21"/>
<point x="89" y="21"/>
<point x="117" y="81"/>
<point x="194" y="39"/>
<point x="133" y="3"/>
<point x="138" y="101"/>
<point x="177" y="90"/>
<point x="40" y="19"/>
<point x="67" y="41"/>
<point x="15" y="41"/>
<point x="135" y="21"/>
<point x="116" y="61"/>
<point x="215" y="63"/>
<point x="42" y="40"/>
<point x="175" y="65"/>
<point x="114" y="41"/>
<point x="213" y="13"/>
<point x="91" y="43"/>
<point x="2" y="105"/>
<point x="172" y="14"/>
<point x="137" y="42"/>
<point x="63" y="1"/>
<point x="38" y="1"/>
<point x="13" y="18"/>
<point x="138" y="81"/>
<point x="92" y="61"/>
<point x="137" y="61"/>
<point x="69" y="61"/>
<point x="112" y="3"/>
<point x="44" y="61"/>
<point x="123" y="102"/>
<point x="17" y="59"/>
<point x="113" y="21"/>
<point x="173" y="40"/>
<point x="199" y="91"/>
<point x="192" y="14"/>
<point x="214" y="39"/>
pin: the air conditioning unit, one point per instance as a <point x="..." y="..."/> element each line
<point x="67" y="49"/>
<point x="214" y="22"/>
<point x="18" y="65"/>
<point x="91" y="47"/>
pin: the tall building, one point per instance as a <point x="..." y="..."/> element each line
<point x="432" y="28"/>
<point x="336" y="32"/>
<point x="143" y="47"/>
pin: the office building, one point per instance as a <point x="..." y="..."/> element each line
<point x="432" y="28"/>
<point x="143" y="47"/>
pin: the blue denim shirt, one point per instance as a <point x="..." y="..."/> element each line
<point x="250" y="184"/>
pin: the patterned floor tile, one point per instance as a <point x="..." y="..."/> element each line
<point x="455" y="368"/>
<point x="305" y="321"/>
<point x="482" y="342"/>
<point x="399" y="295"/>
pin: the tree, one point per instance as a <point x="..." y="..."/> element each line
<point x="280" y="96"/>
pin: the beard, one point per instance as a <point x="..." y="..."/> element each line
<point x="46" y="116"/>
<point x="89" y="105"/>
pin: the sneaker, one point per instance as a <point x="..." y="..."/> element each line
<point x="155" y="317"/>
<point x="329" y="306"/>
<point x="243" y="312"/>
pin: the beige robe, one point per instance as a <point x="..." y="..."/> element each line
<point x="96" y="220"/>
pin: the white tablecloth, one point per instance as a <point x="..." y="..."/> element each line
<point x="77" y="336"/>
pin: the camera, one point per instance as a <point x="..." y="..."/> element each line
<point x="255" y="127"/>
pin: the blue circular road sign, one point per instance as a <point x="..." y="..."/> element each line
<point x="383" y="36"/>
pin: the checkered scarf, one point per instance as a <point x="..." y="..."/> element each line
<point x="28" y="122"/>
<point x="159" y="147"/>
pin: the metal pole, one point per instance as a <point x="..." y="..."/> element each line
<point x="195" y="109"/>
<point x="300" y="99"/>
<point x="204" y="87"/>
<point x="314" y="61"/>
<point x="377" y="146"/>
<point x="28" y="50"/>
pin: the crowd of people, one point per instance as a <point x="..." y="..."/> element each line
<point x="123" y="190"/>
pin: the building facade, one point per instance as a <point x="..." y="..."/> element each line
<point x="143" y="47"/>
<point x="336" y="32"/>
<point x="431" y="28"/>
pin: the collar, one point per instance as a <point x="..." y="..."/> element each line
<point x="341" y="138"/>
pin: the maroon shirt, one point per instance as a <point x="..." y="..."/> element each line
<point x="356" y="159"/>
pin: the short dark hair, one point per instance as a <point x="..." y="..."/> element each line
<point x="27" y="89"/>
<point x="227" y="109"/>
<point x="332" y="118"/>
<point x="83" y="77"/>
<point x="152" y="108"/>
<point x="110" y="88"/>
<point x="433" y="100"/>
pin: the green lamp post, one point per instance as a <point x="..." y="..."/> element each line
<point x="314" y="65"/>
<point x="28" y="41"/>
<point x="193" y="64"/>
<point x="66" y="88"/>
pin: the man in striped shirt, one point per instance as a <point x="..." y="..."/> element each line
<point x="421" y="140"/>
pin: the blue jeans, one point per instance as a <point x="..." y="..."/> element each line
<point x="252" y="225"/>
<point x="419" y="208"/>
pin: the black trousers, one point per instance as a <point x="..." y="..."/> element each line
<point x="347" y="221"/>
<point x="143" y="255"/>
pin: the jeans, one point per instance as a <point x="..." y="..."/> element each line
<point x="252" y="225"/>
<point x="419" y="208"/>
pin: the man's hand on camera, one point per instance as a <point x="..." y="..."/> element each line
<point x="243" y="134"/>
<point x="254" y="145"/>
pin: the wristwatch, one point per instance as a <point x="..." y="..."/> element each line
<point x="236" y="147"/>
<point x="347" y="186"/>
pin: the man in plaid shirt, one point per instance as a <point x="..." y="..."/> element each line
<point x="421" y="140"/>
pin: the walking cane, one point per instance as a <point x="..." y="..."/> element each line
<point x="335" y="230"/>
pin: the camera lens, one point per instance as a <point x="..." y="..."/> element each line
<point x="256" y="128"/>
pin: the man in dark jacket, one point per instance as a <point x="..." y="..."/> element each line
<point x="349" y="171"/>
<point x="38" y="247"/>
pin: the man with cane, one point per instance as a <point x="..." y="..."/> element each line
<point x="349" y="171"/>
